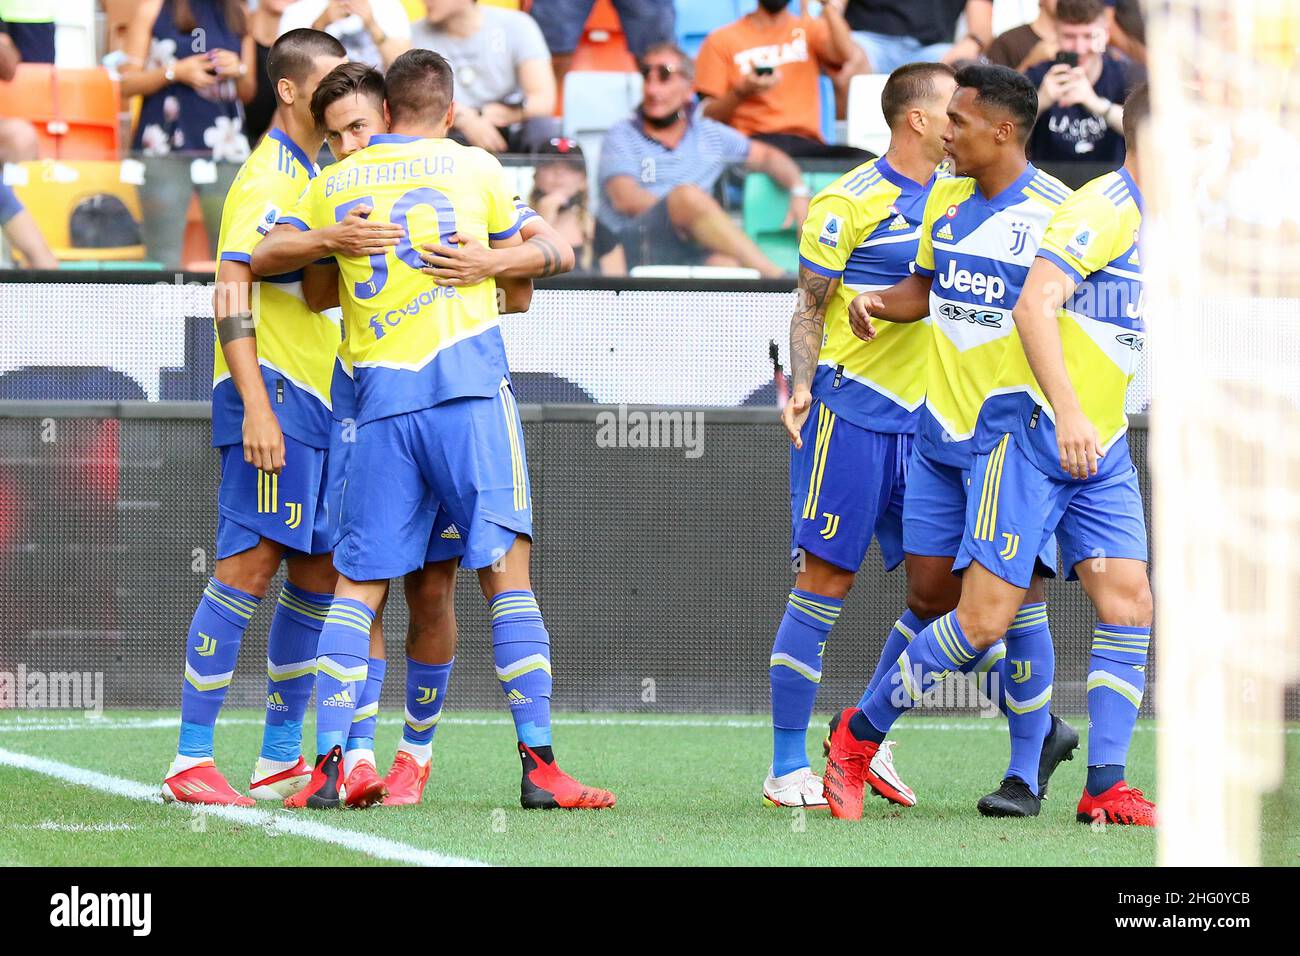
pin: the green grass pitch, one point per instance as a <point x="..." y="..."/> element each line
<point x="688" y="794"/>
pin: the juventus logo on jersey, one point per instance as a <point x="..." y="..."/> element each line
<point x="1020" y="230"/>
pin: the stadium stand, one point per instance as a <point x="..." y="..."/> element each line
<point x="83" y="208"/>
<point x="74" y="112"/>
<point x="74" y="34"/>
<point x="867" y="128"/>
<point x="593" y="102"/>
<point x="696" y="19"/>
<point x="764" y="208"/>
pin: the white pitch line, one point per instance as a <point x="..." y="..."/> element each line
<point x="707" y="723"/>
<point x="378" y="847"/>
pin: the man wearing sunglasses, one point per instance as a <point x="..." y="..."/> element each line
<point x="657" y="169"/>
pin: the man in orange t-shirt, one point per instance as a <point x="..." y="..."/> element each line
<point x="760" y="75"/>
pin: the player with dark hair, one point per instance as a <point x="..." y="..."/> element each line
<point x="438" y="431"/>
<point x="349" y="106"/>
<point x="978" y="236"/>
<point x="1052" y="456"/>
<point x="853" y="410"/>
<point x="271" y="426"/>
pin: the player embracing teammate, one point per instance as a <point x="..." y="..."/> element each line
<point x="1049" y="454"/>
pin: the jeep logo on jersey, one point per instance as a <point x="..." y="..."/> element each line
<point x="958" y="313"/>
<point x="989" y="288"/>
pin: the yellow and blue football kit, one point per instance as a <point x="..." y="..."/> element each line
<point x="437" y="429"/>
<point x="1020" y="494"/>
<point x="846" y="483"/>
<point x="978" y="251"/>
<point x="295" y="349"/>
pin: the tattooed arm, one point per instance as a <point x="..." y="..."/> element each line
<point x="232" y="306"/>
<point x="815" y="291"/>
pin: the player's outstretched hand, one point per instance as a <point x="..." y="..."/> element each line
<point x="356" y="237"/>
<point x="795" y="414"/>
<point x="1078" y="443"/>
<point x="861" y="309"/>
<point x="465" y="262"/>
<point x="263" y="441"/>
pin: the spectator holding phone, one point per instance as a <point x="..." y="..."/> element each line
<point x="194" y="63"/>
<point x="761" y="76"/>
<point x="1080" y="116"/>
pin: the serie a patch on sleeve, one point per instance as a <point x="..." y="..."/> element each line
<point x="267" y="222"/>
<point x="1079" y="244"/>
<point x="831" y="229"/>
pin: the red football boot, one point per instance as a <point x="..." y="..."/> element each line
<point x="363" y="787"/>
<point x="322" y="791"/>
<point x="203" y="783"/>
<point x="405" y="781"/>
<point x="848" y="766"/>
<point x="545" y="786"/>
<point x="1121" y="804"/>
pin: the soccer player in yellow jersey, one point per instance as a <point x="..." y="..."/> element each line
<point x="270" y="424"/>
<point x="438" y="429"/>
<point x="980" y="231"/>
<point x="1052" y="456"/>
<point x="349" y="105"/>
<point x="852" y="411"/>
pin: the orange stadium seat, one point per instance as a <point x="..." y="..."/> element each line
<point x="603" y="46"/>
<point x="75" y="112"/>
<point x="83" y="209"/>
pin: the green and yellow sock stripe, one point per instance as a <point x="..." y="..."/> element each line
<point x="362" y="713"/>
<point x="781" y="659"/>
<point x="514" y="604"/>
<point x="525" y="665"/>
<point x="826" y="613"/>
<point x="349" y="617"/>
<point x="289" y="671"/>
<point x="421" y="724"/>
<point x="1117" y="643"/>
<point x="825" y="426"/>
<point x="906" y="631"/>
<point x="207" y="682"/>
<point x="341" y="672"/>
<point x="986" y="519"/>
<point x="241" y="606"/>
<point x="305" y="608"/>
<point x="1105" y="679"/>
<point x="905" y="675"/>
<point x="946" y="636"/>
<point x="1032" y="704"/>
<point x="518" y="475"/>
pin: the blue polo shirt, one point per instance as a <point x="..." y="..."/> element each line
<point x="704" y="153"/>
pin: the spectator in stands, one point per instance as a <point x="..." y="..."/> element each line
<point x="374" y="32"/>
<point x="264" y="25"/>
<point x="1080" y="116"/>
<point x="21" y="232"/>
<point x="658" y="166"/>
<point x="645" y="22"/>
<point x="895" y="32"/>
<point x="18" y="142"/>
<point x="761" y="75"/>
<point x="560" y="197"/>
<point x="193" y="62"/>
<point x="505" y="91"/>
<point x="1023" y="46"/>
<point x="30" y="24"/>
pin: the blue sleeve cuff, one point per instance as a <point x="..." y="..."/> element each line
<point x="508" y="233"/>
<point x="326" y="261"/>
<point x="293" y="221"/>
<point x="820" y="269"/>
<point x="1060" y="263"/>
<point x="923" y="273"/>
<point x="243" y="257"/>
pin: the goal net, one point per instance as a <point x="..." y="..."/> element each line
<point x="1222" y="251"/>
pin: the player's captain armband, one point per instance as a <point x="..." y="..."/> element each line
<point x="831" y="229"/>
<point x="268" y="220"/>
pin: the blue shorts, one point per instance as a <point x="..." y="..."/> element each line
<point x="446" y="541"/>
<point x="846" y="487"/>
<point x="1013" y="507"/>
<point x="935" y="508"/>
<point x="452" y="478"/>
<point x="288" y="508"/>
<point x="644" y="22"/>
